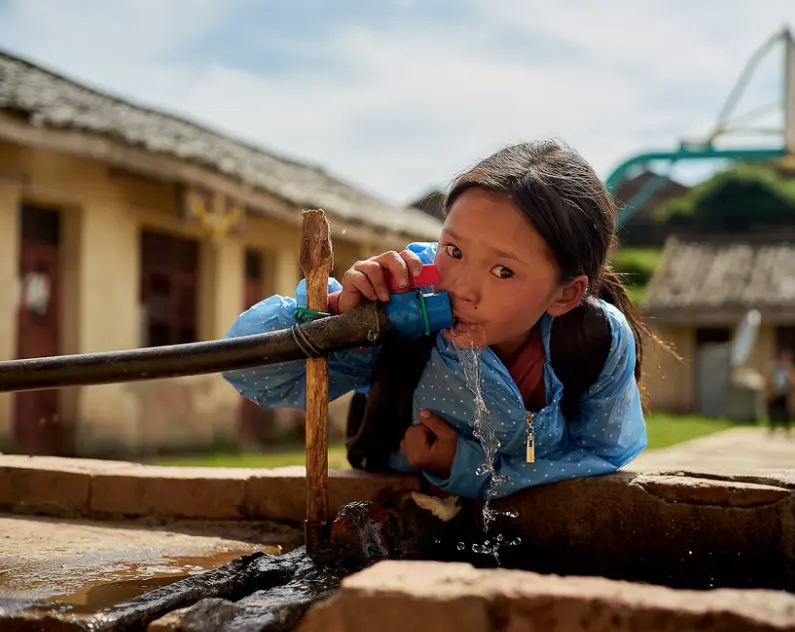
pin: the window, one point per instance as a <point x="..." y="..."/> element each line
<point x="709" y="335"/>
<point x="169" y="289"/>
<point x="40" y="225"/>
<point x="255" y="281"/>
<point x="785" y="339"/>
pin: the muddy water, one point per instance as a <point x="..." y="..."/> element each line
<point x="123" y="583"/>
<point x="84" y="566"/>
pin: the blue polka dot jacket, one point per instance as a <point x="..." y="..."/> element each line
<point x="607" y="433"/>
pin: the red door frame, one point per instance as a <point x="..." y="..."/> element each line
<point x="38" y="427"/>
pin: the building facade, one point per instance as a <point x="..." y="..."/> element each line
<point x="696" y="301"/>
<point x="122" y="227"/>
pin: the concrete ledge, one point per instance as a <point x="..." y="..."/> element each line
<point x="679" y="529"/>
<point x="397" y="596"/>
<point x="114" y="489"/>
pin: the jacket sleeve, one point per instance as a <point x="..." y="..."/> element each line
<point x="608" y="433"/>
<point x="284" y="385"/>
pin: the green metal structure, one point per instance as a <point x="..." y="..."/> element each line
<point x="705" y="149"/>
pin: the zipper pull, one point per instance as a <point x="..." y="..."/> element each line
<point x="531" y="449"/>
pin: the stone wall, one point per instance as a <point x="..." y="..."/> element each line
<point x="731" y="535"/>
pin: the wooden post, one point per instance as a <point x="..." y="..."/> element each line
<point x="317" y="259"/>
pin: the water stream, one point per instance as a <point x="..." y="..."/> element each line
<point x="472" y="364"/>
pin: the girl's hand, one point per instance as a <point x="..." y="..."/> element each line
<point x="430" y="445"/>
<point x="365" y="279"/>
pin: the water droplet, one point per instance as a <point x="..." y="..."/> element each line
<point x="438" y="540"/>
<point x="461" y="546"/>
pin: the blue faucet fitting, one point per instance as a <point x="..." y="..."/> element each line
<point x="414" y="313"/>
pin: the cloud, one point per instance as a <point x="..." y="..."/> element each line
<point x="401" y="100"/>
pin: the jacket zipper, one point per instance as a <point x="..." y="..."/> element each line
<point x="530" y="451"/>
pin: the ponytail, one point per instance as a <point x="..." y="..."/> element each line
<point x="611" y="289"/>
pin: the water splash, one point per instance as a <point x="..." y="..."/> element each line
<point x="472" y="365"/>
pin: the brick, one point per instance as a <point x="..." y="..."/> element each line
<point x="277" y="494"/>
<point x="393" y="596"/>
<point x="346" y="486"/>
<point x="280" y="494"/>
<point x="47" y="492"/>
<point x="117" y="495"/>
<point x="719" y="493"/>
<point x="200" y="497"/>
<point x="175" y="492"/>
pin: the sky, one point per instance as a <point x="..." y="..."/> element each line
<point x="398" y="96"/>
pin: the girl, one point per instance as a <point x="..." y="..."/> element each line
<point x="524" y="244"/>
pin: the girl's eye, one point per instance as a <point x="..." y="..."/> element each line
<point x="501" y="272"/>
<point x="453" y="251"/>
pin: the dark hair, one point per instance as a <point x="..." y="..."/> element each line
<point x="569" y="207"/>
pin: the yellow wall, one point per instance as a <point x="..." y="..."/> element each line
<point x="667" y="381"/>
<point x="764" y="353"/>
<point x="103" y="212"/>
<point x="671" y="384"/>
<point x="9" y="262"/>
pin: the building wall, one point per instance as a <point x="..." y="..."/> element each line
<point x="671" y="384"/>
<point x="764" y="353"/>
<point x="9" y="261"/>
<point x="103" y="212"/>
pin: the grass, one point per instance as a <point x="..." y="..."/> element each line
<point x="636" y="265"/>
<point x="666" y="430"/>
<point x="663" y="431"/>
<point x="289" y="455"/>
<point x="636" y="294"/>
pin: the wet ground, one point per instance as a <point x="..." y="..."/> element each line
<point x="89" y="565"/>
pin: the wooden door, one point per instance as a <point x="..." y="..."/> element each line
<point x="38" y="428"/>
<point x="256" y="422"/>
<point x="169" y="292"/>
<point x="713" y="347"/>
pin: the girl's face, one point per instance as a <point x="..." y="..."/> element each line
<point x="499" y="273"/>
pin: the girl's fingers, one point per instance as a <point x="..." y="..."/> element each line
<point x="412" y="262"/>
<point x="396" y="265"/>
<point x="374" y="272"/>
<point x="358" y="281"/>
<point x="368" y="277"/>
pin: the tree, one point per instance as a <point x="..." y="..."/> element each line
<point x="734" y="200"/>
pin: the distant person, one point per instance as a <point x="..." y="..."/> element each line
<point x="523" y="257"/>
<point x="780" y="407"/>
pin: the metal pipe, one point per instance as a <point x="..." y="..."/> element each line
<point x="365" y="325"/>
<point x="789" y="92"/>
